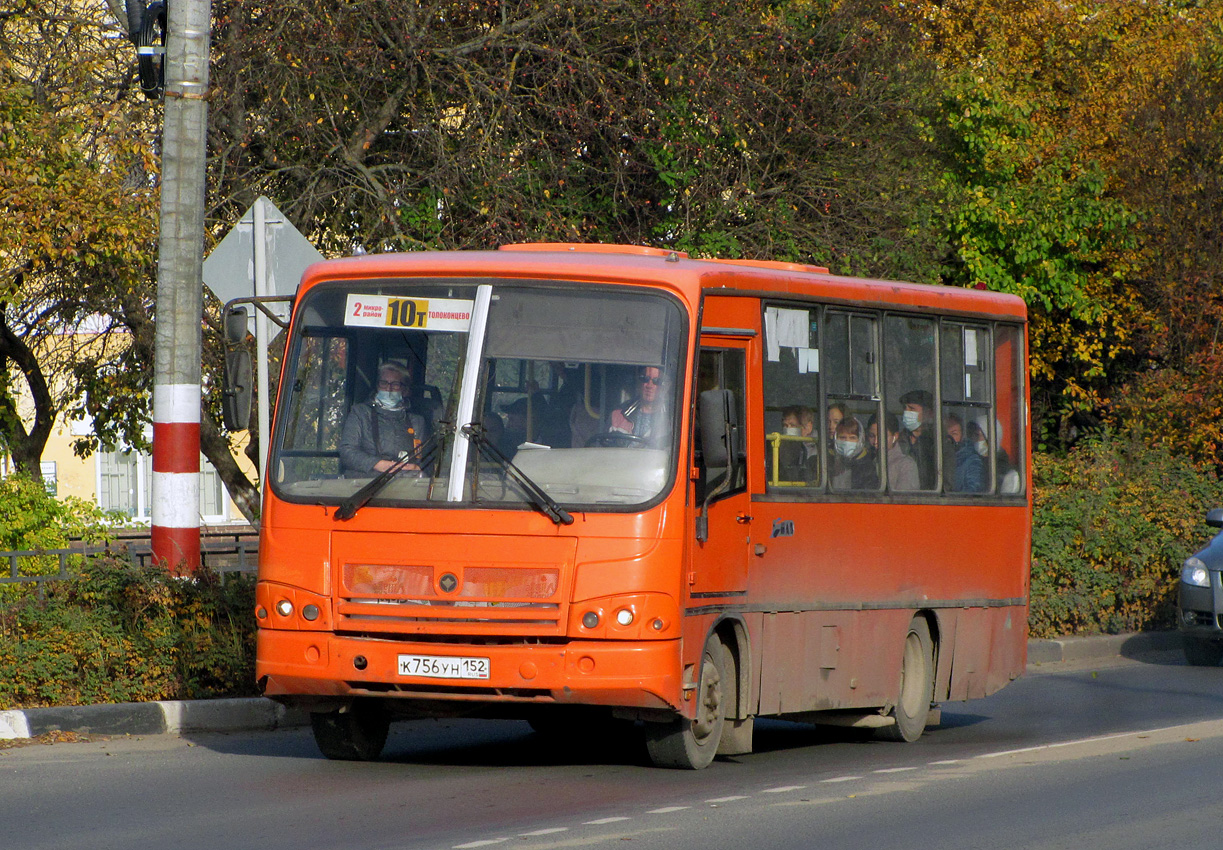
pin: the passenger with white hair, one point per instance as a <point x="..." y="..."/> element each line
<point x="383" y="431"/>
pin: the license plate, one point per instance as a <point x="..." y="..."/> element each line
<point x="443" y="666"/>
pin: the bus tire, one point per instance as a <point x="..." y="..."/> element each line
<point x="692" y="744"/>
<point x="358" y="734"/>
<point x="916" y="691"/>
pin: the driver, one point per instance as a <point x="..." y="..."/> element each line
<point x="642" y="417"/>
<point x="377" y="433"/>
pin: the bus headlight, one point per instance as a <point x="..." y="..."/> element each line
<point x="284" y="608"/>
<point x="624" y="617"/>
<point x="1194" y="572"/>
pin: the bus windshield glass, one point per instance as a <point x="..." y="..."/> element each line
<point x="575" y="385"/>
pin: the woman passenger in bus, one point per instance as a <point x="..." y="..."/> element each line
<point x="799" y="460"/>
<point x="643" y="417"/>
<point x="853" y="468"/>
<point x="379" y="433"/>
<point x="836" y="413"/>
<point x="902" y="469"/>
<point x="1004" y="471"/>
<point x="963" y="468"/>
<point x="917" y="435"/>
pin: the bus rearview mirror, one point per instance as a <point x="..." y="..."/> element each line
<point x="716" y="409"/>
<point x="235" y="325"/>
<point x="238" y="390"/>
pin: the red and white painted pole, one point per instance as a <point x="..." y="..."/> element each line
<point x="176" y="476"/>
<point x="177" y="362"/>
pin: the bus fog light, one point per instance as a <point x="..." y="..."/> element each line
<point x="360" y="662"/>
<point x="310" y="612"/>
<point x="624" y="617"/>
<point x="590" y="620"/>
<point x="284" y="608"/>
<point x="261" y="613"/>
<point x="658" y="625"/>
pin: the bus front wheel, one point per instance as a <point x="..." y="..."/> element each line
<point x="357" y="734"/>
<point x="916" y="685"/>
<point x="692" y="744"/>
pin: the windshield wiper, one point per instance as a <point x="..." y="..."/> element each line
<point x="424" y="454"/>
<point x="536" y="494"/>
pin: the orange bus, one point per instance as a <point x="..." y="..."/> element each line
<point x="578" y="484"/>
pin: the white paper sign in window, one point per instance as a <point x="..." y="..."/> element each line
<point x="788" y="328"/>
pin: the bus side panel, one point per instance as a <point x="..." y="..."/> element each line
<point x="987" y="652"/>
<point x="862" y="571"/>
<point x="826" y="660"/>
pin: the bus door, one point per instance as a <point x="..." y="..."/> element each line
<point x="720" y="561"/>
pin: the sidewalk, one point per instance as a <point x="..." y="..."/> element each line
<point x="259" y="714"/>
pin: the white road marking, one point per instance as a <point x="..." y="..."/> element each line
<point x="726" y="799"/>
<point x="783" y="789"/>
<point x="1041" y="747"/>
<point x="894" y="770"/>
<point x="841" y="779"/>
<point x="543" y="832"/>
<point x="602" y="821"/>
<point x="666" y="810"/>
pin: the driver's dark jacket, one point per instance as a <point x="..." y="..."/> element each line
<point x="396" y="431"/>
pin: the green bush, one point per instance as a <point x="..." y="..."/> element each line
<point x="1113" y="521"/>
<point x="34" y="520"/>
<point x="128" y="633"/>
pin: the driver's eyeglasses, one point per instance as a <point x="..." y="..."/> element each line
<point x="390" y="385"/>
<point x="646" y="379"/>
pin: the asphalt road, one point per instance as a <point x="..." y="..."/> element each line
<point x="1112" y="753"/>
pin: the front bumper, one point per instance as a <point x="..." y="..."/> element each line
<point x="614" y="673"/>
<point x="1199" y="608"/>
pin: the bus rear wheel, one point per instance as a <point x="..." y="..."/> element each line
<point x="692" y="744"/>
<point x="356" y="734"/>
<point x="916" y="685"/>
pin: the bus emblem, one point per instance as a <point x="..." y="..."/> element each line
<point x="783" y="528"/>
<point x="448" y="583"/>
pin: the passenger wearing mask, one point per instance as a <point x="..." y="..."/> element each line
<point x="381" y="432"/>
<point x="799" y="461"/>
<point x="852" y="467"/>
<point x="917" y="435"/>
<point x="1005" y="472"/>
<point x="902" y="469"/>
<point x="963" y="468"/>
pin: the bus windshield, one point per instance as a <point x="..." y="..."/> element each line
<point x="576" y="385"/>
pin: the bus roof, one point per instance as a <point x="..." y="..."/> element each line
<point x="603" y="263"/>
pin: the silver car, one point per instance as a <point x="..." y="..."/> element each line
<point x="1201" y="600"/>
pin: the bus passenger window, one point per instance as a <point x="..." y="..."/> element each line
<point x="967" y="394"/>
<point x="794" y="442"/>
<point x="909" y="364"/>
<point x="852" y="383"/>
<point x="1010" y="428"/>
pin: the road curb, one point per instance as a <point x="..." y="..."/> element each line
<point x="1045" y="651"/>
<point x="152" y="718"/>
<point x="260" y="714"/>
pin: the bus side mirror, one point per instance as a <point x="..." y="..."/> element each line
<point x="237" y="391"/>
<point x="716" y="409"/>
<point x="1214" y="517"/>
<point x="235" y="325"/>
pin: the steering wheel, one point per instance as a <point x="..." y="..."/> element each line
<point x="617" y="440"/>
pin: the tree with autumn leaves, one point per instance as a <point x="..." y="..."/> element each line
<point x="1068" y="153"/>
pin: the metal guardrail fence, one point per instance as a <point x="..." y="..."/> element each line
<point x="228" y="554"/>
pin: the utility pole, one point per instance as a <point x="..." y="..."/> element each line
<point x="177" y="358"/>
